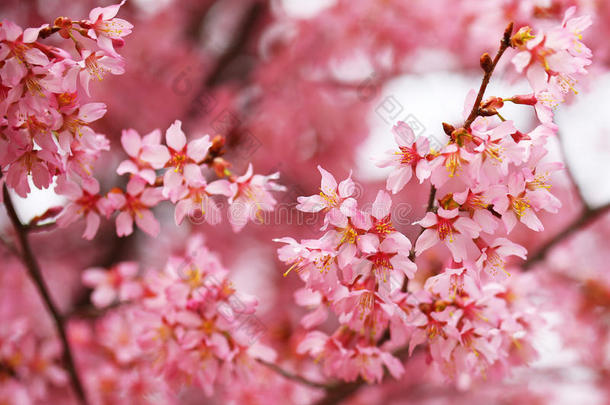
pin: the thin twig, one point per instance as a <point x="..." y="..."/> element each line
<point x="504" y="44"/>
<point x="233" y="51"/>
<point x="35" y="273"/>
<point x="570" y="174"/>
<point x="587" y="217"/>
<point x="429" y="208"/>
<point x="295" y="377"/>
<point x="49" y="226"/>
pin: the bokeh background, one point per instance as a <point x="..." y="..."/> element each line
<point x="293" y="84"/>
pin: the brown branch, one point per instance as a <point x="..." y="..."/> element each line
<point x="340" y="392"/>
<point x="570" y="174"/>
<point x="35" y="273"/>
<point x="294" y="377"/>
<point x="429" y="208"/>
<point x="587" y="217"/>
<point x="489" y="69"/>
<point x="233" y="51"/>
<point x="49" y="226"/>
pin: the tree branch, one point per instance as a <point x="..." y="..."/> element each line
<point x="429" y="208"/>
<point x="33" y="269"/>
<point x="587" y="217"/>
<point x="294" y="377"/>
<point x="570" y="174"/>
<point x="504" y="44"/>
<point x="236" y="47"/>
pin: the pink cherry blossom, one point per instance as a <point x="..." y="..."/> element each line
<point x="135" y="206"/>
<point x="107" y="29"/>
<point x="134" y="145"/>
<point x="180" y="158"/>
<point x="85" y="202"/>
<point x="116" y="284"/>
<point x="410" y="157"/>
<point x="251" y="197"/>
<point x="449" y="227"/>
<point x="334" y="198"/>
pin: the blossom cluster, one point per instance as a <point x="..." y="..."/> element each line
<point x="44" y="120"/>
<point x="486" y="179"/>
<point x="26" y="356"/>
<point x="185" y="322"/>
<point x="448" y="291"/>
<point x="46" y="136"/>
<point x="183" y="181"/>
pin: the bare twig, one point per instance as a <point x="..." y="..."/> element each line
<point x="570" y="174"/>
<point x="429" y="208"/>
<point x="33" y="269"/>
<point x="49" y="226"/>
<point x="586" y="218"/>
<point x="295" y="377"/>
<point x="236" y="47"/>
<point x="504" y="44"/>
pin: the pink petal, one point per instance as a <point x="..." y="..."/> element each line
<point x="131" y="141"/>
<point x="346" y="188"/>
<point x="398" y="178"/>
<point x="103" y="296"/>
<point x="92" y="112"/>
<point x="193" y="175"/>
<point x="146" y="221"/>
<point x="156" y="155"/>
<point x="328" y="184"/>
<point x="174" y="137"/>
<point x="127" y="166"/>
<point x="426" y="240"/>
<point x="197" y="149"/>
<point x="221" y="187"/>
<point x="124" y="224"/>
<point x="368" y="243"/>
<point x="93" y="223"/>
<point x="381" y="205"/>
<point x="403" y="134"/>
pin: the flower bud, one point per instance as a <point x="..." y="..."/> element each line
<point x="527" y="99"/>
<point x="448" y="128"/>
<point x="493" y="102"/>
<point x="486" y="62"/>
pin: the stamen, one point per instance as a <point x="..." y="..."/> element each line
<point x="520" y="206"/>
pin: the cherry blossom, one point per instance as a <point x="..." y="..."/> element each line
<point x="410" y="157"/>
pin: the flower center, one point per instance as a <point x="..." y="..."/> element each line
<point x="445" y="229"/>
<point x="94" y="68"/>
<point x="408" y="155"/>
<point x="520" y="205"/>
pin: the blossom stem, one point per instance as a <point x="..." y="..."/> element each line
<point x="504" y="44"/>
<point x="35" y="273"/>
<point x="588" y="216"/>
<point x="429" y="208"/>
